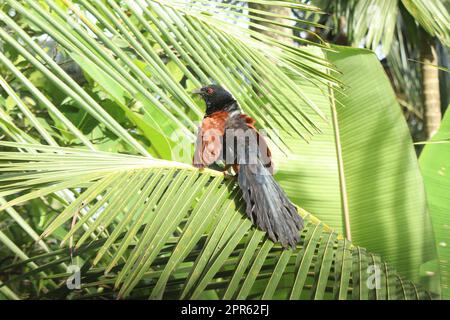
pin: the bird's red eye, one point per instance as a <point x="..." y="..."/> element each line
<point x="209" y="90"/>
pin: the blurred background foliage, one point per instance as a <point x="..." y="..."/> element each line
<point x="408" y="36"/>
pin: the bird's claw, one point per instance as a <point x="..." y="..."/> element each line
<point x="200" y="167"/>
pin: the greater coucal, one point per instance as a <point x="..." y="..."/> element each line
<point x="229" y="135"/>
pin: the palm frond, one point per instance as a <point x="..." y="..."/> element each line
<point x="433" y="16"/>
<point x="147" y="242"/>
<point x="373" y="22"/>
<point x="7" y="292"/>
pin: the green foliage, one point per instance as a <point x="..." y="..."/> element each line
<point x="178" y="233"/>
<point x="364" y="164"/>
<point x="96" y="95"/>
<point x="135" y="50"/>
<point x="373" y="22"/>
<point x="399" y="30"/>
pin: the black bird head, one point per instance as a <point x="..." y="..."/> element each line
<point x="216" y="98"/>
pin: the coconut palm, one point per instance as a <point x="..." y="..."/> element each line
<point x="96" y="146"/>
<point x="409" y="34"/>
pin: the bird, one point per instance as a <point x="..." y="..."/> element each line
<point x="228" y="135"/>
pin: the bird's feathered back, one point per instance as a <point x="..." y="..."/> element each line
<point x="226" y="131"/>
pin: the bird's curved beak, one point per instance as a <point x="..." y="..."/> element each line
<point x="197" y="91"/>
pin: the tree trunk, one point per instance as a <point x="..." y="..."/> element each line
<point x="430" y="87"/>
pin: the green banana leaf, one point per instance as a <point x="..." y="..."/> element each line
<point x="435" y="166"/>
<point x="148" y="228"/>
<point x="363" y="165"/>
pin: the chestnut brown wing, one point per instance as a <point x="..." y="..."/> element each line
<point x="197" y="159"/>
<point x="208" y="147"/>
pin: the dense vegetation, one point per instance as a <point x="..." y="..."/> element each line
<point x="98" y="124"/>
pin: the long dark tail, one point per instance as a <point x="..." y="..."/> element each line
<point x="268" y="206"/>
